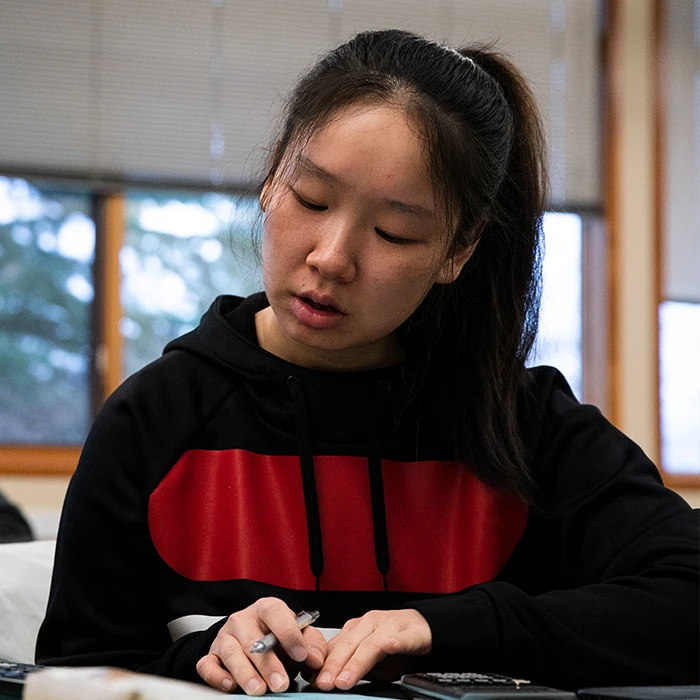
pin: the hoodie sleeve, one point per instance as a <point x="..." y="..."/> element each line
<point x="105" y="604"/>
<point x="622" y="552"/>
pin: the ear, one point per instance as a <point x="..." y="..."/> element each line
<point x="451" y="268"/>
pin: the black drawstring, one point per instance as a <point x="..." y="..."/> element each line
<point x="376" y="485"/>
<point x="308" y="480"/>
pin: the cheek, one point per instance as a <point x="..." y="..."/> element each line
<point x="278" y="240"/>
<point x="410" y="279"/>
<point x="397" y="297"/>
<point x="273" y="257"/>
<point x="400" y="290"/>
<point x="267" y="253"/>
<point x="285" y="229"/>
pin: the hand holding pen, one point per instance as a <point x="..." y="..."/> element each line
<point x="303" y="619"/>
<point x="243" y="656"/>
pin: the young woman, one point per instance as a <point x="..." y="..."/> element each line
<point x="363" y="437"/>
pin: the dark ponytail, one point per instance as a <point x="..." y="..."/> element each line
<point x="495" y="304"/>
<point x="485" y="150"/>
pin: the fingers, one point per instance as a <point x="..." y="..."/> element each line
<point x="273" y="615"/>
<point x="253" y="675"/>
<point x="316" y="647"/>
<point x="210" y="670"/>
<point x="363" y="643"/>
<point x="350" y="661"/>
<point x="279" y="619"/>
<point x="230" y="662"/>
<point x="351" y="655"/>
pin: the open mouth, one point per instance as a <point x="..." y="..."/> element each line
<point x="319" y="307"/>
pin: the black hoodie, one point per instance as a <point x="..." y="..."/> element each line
<point x="220" y="474"/>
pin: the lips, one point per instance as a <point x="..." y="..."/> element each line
<point x="321" y="302"/>
<point x="319" y="307"/>
<point x="317" y="311"/>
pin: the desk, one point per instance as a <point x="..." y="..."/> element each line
<point x="166" y="689"/>
<point x="299" y="690"/>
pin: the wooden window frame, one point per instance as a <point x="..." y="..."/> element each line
<point x="613" y="73"/>
<point x="105" y="361"/>
<point x="676" y="481"/>
<point x="108" y="211"/>
<point x="601" y="340"/>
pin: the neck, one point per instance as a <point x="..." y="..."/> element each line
<point x="272" y="338"/>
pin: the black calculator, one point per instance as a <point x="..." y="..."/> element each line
<point x="478" y="686"/>
<point x="12" y="676"/>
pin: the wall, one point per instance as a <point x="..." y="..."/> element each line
<point x="634" y="276"/>
<point x="40" y="498"/>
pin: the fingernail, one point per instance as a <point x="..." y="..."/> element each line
<point x="298" y="653"/>
<point x="277" y="681"/>
<point x="324" y="678"/>
<point x="344" y="677"/>
<point x="314" y="655"/>
<point x="254" y="686"/>
<point x="226" y="684"/>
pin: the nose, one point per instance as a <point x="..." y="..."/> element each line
<point x="334" y="254"/>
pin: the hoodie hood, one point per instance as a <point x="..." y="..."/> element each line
<point x="337" y="402"/>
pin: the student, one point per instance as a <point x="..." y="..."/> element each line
<point x="363" y="437"/>
<point x="13" y="525"/>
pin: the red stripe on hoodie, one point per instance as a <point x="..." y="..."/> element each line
<point x="235" y="514"/>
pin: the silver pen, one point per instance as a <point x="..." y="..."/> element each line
<point x="304" y="619"/>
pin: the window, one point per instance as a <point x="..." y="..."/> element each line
<point x="559" y="341"/>
<point x="108" y="100"/>
<point x="47" y="241"/>
<point x="179" y="253"/>
<point x="679" y="333"/>
<point x="679" y="310"/>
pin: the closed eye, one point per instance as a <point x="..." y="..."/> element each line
<point x="392" y="239"/>
<point x="307" y="204"/>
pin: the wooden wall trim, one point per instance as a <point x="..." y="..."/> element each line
<point x="681" y="481"/>
<point x="659" y="184"/>
<point x="110" y="222"/>
<point x="26" y="460"/>
<point x="660" y="124"/>
<point x="630" y="210"/>
<point x="611" y="179"/>
<point x="114" y="235"/>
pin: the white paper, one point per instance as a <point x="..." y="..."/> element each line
<point x="25" y="576"/>
<point x="102" y="683"/>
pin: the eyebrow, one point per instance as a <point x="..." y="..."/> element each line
<point x="305" y="164"/>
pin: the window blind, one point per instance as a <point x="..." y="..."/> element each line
<point x="681" y="85"/>
<point x="170" y="91"/>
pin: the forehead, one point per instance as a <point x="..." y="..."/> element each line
<point x="369" y="117"/>
<point x="375" y="143"/>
